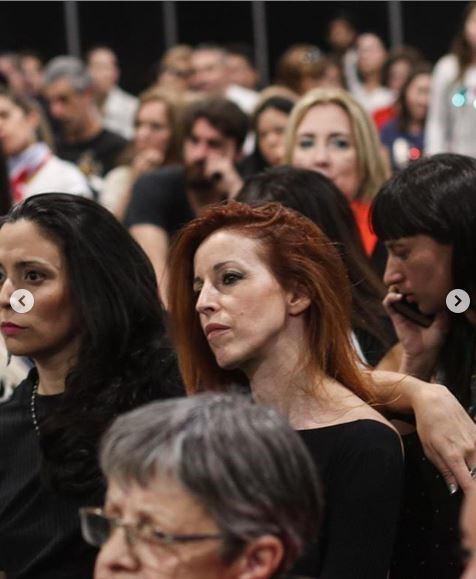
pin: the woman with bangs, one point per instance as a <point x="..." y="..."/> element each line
<point x="255" y="302"/>
<point x="426" y="215"/>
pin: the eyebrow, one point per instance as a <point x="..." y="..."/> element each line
<point x="216" y="268"/>
<point x="335" y="134"/>
<point x="35" y="263"/>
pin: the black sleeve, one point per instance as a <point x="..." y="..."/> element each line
<point x="364" y="504"/>
<point x="149" y="200"/>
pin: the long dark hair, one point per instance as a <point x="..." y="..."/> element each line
<point x="255" y="161"/>
<point x="317" y="198"/>
<point x="404" y="117"/>
<point x="436" y="197"/>
<point x="123" y="359"/>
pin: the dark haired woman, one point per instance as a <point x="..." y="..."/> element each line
<point x="426" y="215"/>
<point x="403" y="137"/>
<point x="96" y="335"/>
<point x="452" y="116"/>
<point x="317" y="198"/>
<point x="269" y="123"/>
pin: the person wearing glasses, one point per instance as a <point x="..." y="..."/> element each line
<point x="197" y="489"/>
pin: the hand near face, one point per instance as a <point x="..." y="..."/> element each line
<point x="221" y="169"/>
<point x="420" y="345"/>
<point x="146" y="160"/>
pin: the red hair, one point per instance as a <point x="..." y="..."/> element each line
<point x="299" y="255"/>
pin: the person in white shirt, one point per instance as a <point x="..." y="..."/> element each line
<point x="451" y="122"/>
<point x="32" y="166"/>
<point x="117" y="106"/>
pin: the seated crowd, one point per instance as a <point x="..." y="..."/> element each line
<point x="240" y="361"/>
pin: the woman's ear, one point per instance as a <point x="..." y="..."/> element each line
<point x="298" y="300"/>
<point x="260" y="559"/>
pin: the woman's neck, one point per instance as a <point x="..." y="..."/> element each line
<point x="306" y="401"/>
<point x="54" y="368"/>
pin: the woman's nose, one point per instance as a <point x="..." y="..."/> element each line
<point x="207" y="300"/>
<point x="116" y="554"/>
<point x="6" y="290"/>
<point x="392" y="274"/>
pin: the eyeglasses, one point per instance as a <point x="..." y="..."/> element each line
<point x="96" y="528"/>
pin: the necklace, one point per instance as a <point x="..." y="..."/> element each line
<point x="34" y="391"/>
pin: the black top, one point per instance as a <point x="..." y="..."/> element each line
<point x="159" y="198"/>
<point x="361" y="468"/>
<point x="39" y="529"/>
<point x="428" y="541"/>
<point x="96" y="156"/>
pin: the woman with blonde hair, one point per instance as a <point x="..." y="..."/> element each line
<point x="330" y="132"/>
<point x="155" y="143"/>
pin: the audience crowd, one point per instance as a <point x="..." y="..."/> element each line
<point x="241" y="359"/>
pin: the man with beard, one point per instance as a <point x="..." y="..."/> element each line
<point x="167" y="198"/>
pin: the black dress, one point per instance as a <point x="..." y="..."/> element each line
<point x="361" y="468"/>
<point x="39" y="529"/>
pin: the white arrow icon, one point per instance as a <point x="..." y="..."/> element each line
<point x="22" y="301"/>
<point x="457" y="301"/>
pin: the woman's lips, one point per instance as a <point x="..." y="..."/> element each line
<point x="9" y="329"/>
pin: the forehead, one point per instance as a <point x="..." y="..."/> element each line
<point x="203" y="129"/>
<point x="207" y="58"/>
<point x="164" y="499"/>
<point x="157" y="108"/>
<point x="228" y="245"/>
<point x="7" y="104"/>
<point x="328" y="117"/>
<point x="102" y="57"/>
<point x="24" y="239"/>
<point x="61" y="87"/>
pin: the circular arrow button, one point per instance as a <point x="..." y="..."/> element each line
<point x="22" y="301"/>
<point x="457" y="301"/>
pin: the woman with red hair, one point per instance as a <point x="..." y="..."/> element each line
<point x="260" y="296"/>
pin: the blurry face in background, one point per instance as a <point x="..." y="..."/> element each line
<point x="470" y="29"/>
<point x="270" y="130"/>
<point x="398" y="74"/>
<point x="33" y="72"/>
<point x="371" y="54"/>
<point x="240" y="71"/>
<point x="152" y="127"/>
<point x="67" y="105"/>
<point x="209" y="71"/>
<point x="102" y="67"/>
<point x="418" y="97"/>
<point x="17" y="128"/>
<point x="30" y="260"/>
<point x="341" y="35"/>
<point x="205" y="141"/>
<point x="324" y="142"/>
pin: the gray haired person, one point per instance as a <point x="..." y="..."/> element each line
<point x="210" y="486"/>
<point x="80" y="136"/>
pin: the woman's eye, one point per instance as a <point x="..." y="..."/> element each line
<point x="230" y="278"/>
<point x="340" y="143"/>
<point x="306" y="143"/>
<point x="34" y="276"/>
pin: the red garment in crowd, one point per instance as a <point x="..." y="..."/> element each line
<point x="361" y="211"/>
<point x="382" y="116"/>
